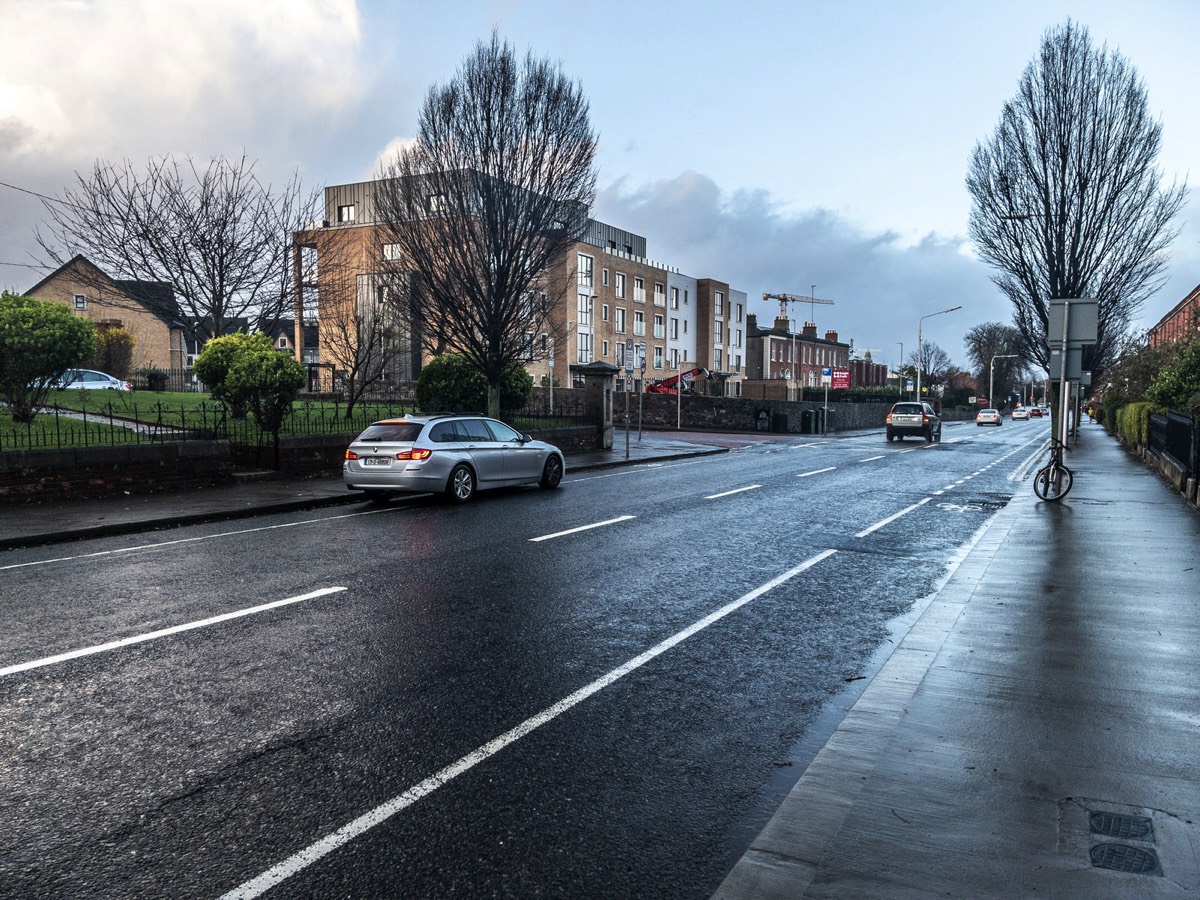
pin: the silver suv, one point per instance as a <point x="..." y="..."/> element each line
<point x="916" y="418"/>
<point x="454" y="455"/>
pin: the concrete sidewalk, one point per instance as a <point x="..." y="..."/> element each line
<point x="1037" y="732"/>
<point x="55" y="521"/>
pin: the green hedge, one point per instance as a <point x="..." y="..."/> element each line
<point x="1133" y="423"/>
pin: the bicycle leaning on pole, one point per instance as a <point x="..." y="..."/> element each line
<point x="1053" y="481"/>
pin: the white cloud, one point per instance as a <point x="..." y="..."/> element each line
<point x="86" y="78"/>
<point x="880" y="284"/>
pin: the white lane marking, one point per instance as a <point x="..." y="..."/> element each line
<point x="558" y="534"/>
<point x="163" y="632"/>
<point x="740" y="490"/>
<point x="368" y="820"/>
<point x="873" y="458"/>
<point x="204" y="537"/>
<point x="893" y="517"/>
<point x="816" y="472"/>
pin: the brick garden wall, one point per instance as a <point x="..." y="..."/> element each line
<point x="86" y="472"/>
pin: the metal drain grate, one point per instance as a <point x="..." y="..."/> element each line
<point x="1121" y="858"/>
<point x="1129" y="828"/>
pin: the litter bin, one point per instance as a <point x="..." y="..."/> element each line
<point x="762" y="420"/>
<point x="779" y="423"/>
<point x="806" y="421"/>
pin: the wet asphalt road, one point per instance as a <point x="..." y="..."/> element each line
<point x="709" y="609"/>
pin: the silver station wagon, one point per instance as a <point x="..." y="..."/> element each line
<point x="452" y="455"/>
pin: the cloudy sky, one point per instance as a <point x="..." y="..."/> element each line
<point x="784" y="146"/>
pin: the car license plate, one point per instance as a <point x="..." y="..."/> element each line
<point x="376" y="461"/>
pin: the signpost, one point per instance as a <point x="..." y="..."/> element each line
<point x="642" y="387"/>
<point x="1073" y="325"/>
<point x="550" y="363"/>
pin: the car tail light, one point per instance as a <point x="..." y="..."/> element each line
<point x="888" y="420"/>
<point x="415" y="453"/>
<point x="350" y="454"/>
<point x="924" y="419"/>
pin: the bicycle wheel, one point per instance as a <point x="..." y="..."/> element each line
<point x="1052" y="482"/>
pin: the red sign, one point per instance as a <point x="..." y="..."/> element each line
<point x="841" y="379"/>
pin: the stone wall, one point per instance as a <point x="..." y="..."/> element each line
<point x="86" y="472"/>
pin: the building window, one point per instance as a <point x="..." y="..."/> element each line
<point x="674" y="329"/>
<point x="659" y="329"/>
<point x="685" y="297"/>
<point x="619" y="322"/>
<point x="719" y="303"/>
<point x="435" y="202"/>
<point x="719" y="331"/>
<point x="604" y="276"/>
<point x="717" y="358"/>
<point x="674" y="298"/>
<point x="660" y="296"/>
<point x="584" y="353"/>
<point x="738" y="342"/>
<point x="739" y="312"/>
<point x="391" y="251"/>
<point x="674" y="359"/>
<point x="639" y="323"/>
<point x="346" y="213"/>
<point x="605" y="344"/>
<point x="658" y="357"/>
<point x="639" y="290"/>
<point x="604" y="312"/>
<point x="282" y="345"/>
<point x="620" y="347"/>
<point x="620" y="288"/>
<point x="80" y="301"/>
<point x="585" y="270"/>
<point x="585" y="310"/>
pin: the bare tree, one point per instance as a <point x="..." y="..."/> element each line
<point x="997" y="353"/>
<point x="934" y="362"/>
<point x="486" y="204"/>
<point x="1067" y="201"/>
<point x="217" y="235"/>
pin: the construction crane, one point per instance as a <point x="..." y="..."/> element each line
<point x="785" y="299"/>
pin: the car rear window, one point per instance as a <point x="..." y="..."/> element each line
<point x="907" y="409"/>
<point x="391" y="432"/>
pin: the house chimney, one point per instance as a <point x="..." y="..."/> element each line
<point x="783" y="324"/>
<point x="810" y="329"/>
<point x="831" y="336"/>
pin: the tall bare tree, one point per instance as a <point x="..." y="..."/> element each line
<point x="1066" y="199"/>
<point x="485" y="205"/>
<point x="997" y="353"/>
<point x="216" y="234"/>
<point x="935" y="364"/>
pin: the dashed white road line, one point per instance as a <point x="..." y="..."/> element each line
<point x="741" y="490"/>
<point x="558" y="534"/>
<point x="893" y="517"/>
<point x="816" y="472"/>
<point x="163" y="632"/>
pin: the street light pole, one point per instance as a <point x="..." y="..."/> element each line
<point x="920" y="342"/>
<point x="900" y="369"/>
<point x="992" y="376"/>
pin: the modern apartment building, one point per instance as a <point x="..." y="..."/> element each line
<point x="625" y="306"/>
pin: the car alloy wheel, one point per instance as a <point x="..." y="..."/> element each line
<point x="461" y="485"/>
<point x="552" y="473"/>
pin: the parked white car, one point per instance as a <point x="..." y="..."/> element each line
<point x="91" y="380"/>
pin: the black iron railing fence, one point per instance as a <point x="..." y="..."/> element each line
<point x="1177" y="436"/>
<point x="113" y="424"/>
